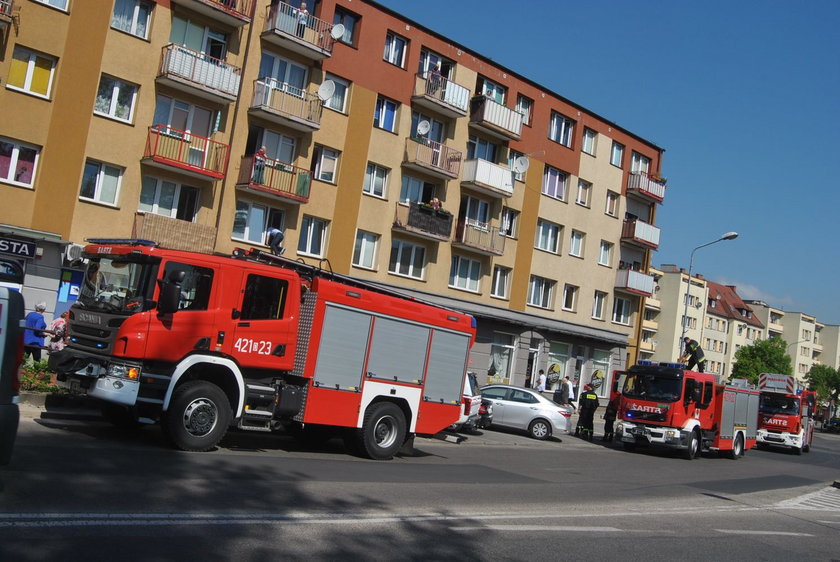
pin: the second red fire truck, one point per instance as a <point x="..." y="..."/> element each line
<point x="785" y="413"/>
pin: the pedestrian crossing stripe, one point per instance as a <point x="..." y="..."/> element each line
<point x="827" y="499"/>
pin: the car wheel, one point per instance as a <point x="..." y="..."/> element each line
<point x="539" y="429"/>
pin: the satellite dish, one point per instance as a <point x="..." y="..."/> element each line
<point x="326" y="90"/>
<point x="520" y="164"/>
<point x="423" y="127"/>
<point x="337" y="31"/>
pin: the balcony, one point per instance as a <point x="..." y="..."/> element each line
<point x="432" y="158"/>
<point x="198" y="157"/>
<point x="304" y="34"/>
<point x="6" y="12"/>
<point x="488" y="178"/>
<point x="647" y="346"/>
<point x="652" y="301"/>
<point x="644" y="186"/>
<point x="423" y="221"/>
<point x="495" y="119"/>
<point x="174" y="233"/>
<point x="233" y="13"/>
<point x="198" y="74"/>
<point x="286" y="105"/>
<point x="437" y="93"/>
<point x="479" y="237"/>
<point x="635" y="282"/>
<point x="265" y="176"/>
<point x="640" y="233"/>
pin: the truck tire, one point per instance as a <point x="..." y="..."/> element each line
<point x="198" y="416"/>
<point x="539" y="429"/>
<point x="737" y="448"/>
<point x="693" y="450"/>
<point x="798" y="450"/>
<point x="383" y="431"/>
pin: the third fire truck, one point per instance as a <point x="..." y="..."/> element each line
<point x="665" y="405"/>
<point x="785" y="413"/>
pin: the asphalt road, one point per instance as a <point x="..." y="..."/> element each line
<point x="83" y="490"/>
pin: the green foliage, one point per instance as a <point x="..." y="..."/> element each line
<point x="825" y="380"/>
<point x="764" y="356"/>
<point x="37" y="377"/>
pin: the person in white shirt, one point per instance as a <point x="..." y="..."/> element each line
<point x="541" y="381"/>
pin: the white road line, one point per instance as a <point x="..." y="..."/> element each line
<point x="539" y="528"/>
<point x="748" y="532"/>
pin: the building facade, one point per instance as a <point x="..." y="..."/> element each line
<point x="380" y="147"/>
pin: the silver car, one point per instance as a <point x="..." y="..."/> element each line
<point x="524" y="408"/>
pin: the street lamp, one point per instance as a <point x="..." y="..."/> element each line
<point x="727" y="236"/>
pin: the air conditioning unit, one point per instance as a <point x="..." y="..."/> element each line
<point x="73" y="252"/>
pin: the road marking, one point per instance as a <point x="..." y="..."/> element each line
<point x="827" y="499"/>
<point x="540" y="528"/>
<point x="774" y="533"/>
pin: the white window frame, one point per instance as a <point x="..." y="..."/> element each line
<point x="269" y="212"/>
<point x="179" y="191"/>
<point x="605" y="253"/>
<point x="476" y="212"/>
<point x="548" y="236"/>
<point x="134" y="27"/>
<point x="512" y="156"/>
<point x="326" y="165"/>
<point x="416" y="189"/>
<point x="99" y="180"/>
<point x="492" y="90"/>
<point x="396" y="47"/>
<point x="30" y="60"/>
<point x="584" y="193"/>
<point x="576" y="243"/>
<point x="509" y="223"/>
<point x="599" y="305"/>
<point x="14" y="161"/>
<point x="350" y="21"/>
<point x="410" y="252"/>
<point x="383" y="105"/>
<point x="561" y="129"/>
<point x="639" y="163"/>
<point x="557" y="180"/>
<point x="376" y="180"/>
<point x="590" y="141"/>
<point x="621" y="311"/>
<point x="501" y="280"/>
<point x="313" y="232"/>
<point x="365" y="250"/>
<point x="464" y="280"/>
<point x="482" y="149"/>
<point x="570" y="293"/>
<point x="611" y="207"/>
<point x="617" y="154"/>
<point x="540" y="292"/>
<point x="338" y="101"/>
<point x="525" y="106"/>
<point x="117" y="86"/>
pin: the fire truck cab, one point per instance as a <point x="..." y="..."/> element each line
<point x="786" y="413"/>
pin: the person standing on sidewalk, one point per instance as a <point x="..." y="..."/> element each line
<point x="609" y="418"/>
<point x="541" y="382"/>
<point x="33" y="337"/>
<point x="570" y="394"/>
<point x="588" y="404"/>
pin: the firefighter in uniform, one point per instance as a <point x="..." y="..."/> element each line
<point x="694" y="353"/>
<point x="587" y="404"/>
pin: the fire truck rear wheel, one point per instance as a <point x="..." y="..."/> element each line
<point x="383" y="431"/>
<point x="693" y="449"/>
<point x="198" y="416"/>
<point x="737" y="448"/>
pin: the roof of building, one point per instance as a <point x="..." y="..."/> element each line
<point x="729" y="305"/>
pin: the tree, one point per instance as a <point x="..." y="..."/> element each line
<point x="826" y="381"/>
<point x="764" y="356"/>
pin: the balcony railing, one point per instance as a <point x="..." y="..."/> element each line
<point x="640" y="233"/>
<point x="287" y="105"/>
<point x="436" y="92"/>
<point x="298" y="31"/>
<point x="488" y="178"/>
<point x="175" y="234"/>
<point x="6" y="10"/>
<point x="433" y="157"/>
<point x="273" y="177"/>
<point x="235" y="13"/>
<point x="634" y="282"/>
<point x="423" y="220"/>
<point x="200" y="156"/>
<point x="480" y="237"/>
<point x="495" y="119"/>
<point x="644" y="185"/>
<point x="199" y="73"/>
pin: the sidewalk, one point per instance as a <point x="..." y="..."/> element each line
<point x="57" y="406"/>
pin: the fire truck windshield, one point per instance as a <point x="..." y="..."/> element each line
<point x="117" y="285"/>
<point x="778" y="404"/>
<point x="645" y="386"/>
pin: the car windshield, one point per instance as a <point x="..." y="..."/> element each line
<point x="646" y="386"/>
<point x="116" y="284"/>
<point x="778" y="404"/>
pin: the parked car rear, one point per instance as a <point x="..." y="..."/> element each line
<point x="11" y="355"/>
<point x="527" y="409"/>
<point x="470" y="405"/>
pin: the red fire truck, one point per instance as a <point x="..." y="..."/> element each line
<point x="666" y="405"/>
<point x="785" y="413"/>
<point x="200" y="342"/>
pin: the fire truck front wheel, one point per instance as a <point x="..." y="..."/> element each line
<point x="383" y="431"/>
<point x="198" y="416"/>
<point x="693" y="447"/>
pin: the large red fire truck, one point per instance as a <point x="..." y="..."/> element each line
<point x="785" y="413"/>
<point x="200" y="342"/>
<point x="666" y="405"/>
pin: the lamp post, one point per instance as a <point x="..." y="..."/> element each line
<point x="727" y="236"/>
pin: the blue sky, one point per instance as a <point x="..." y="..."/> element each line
<point x="744" y="95"/>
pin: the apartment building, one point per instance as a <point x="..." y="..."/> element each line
<point x="383" y="149"/>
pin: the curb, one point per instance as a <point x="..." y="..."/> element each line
<point x="59" y="406"/>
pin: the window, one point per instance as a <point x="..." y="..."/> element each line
<point x="350" y="21"/>
<point x="510" y="222"/>
<point x="540" y="292"/>
<point x="621" y="311"/>
<point x="18" y="162"/>
<point x="501" y="357"/>
<point x="476" y="212"/>
<point x="326" y="164"/>
<point x="182" y="117"/>
<point x="569" y="297"/>
<point x="524" y="106"/>
<point x="491" y="90"/>
<point x="554" y="183"/>
<point x="437" y="129"/>
<point x="313" y="236"/>
<point x="196" y="286"/>
<point x="612" y="204"/>
<point x="198" y="38"/>
<point x="561" y="129"/>
<point x="480" y="148"/>
<point x="282" y="74"/>
<point x="253" y="220"/>
<point x="264" y="299"/>
<point x="617" y="154"/>
<point x="364" y="251"/>
<point x="376" y="179"/>
<point x="501" y="278"/>
<point x="464" y="273"/>
<point x="132" y="16"/>
<point x="416" y="190"/>
<point x="432" y="61"/>
<point x="512" y="156"/>
<point x="584" y="189"/>
<point x="115" y="98"/>
<point x="548" y="235"/>
<point x="576" y="244"/>
<point x="60" y="4"/>
<point x="599" y="305"/>
<point x="31" y="72"/>
<point x="639" y="163"/>
<point x="385" y="116"/>
<point x="100" y="182"/>
<point x="407" y="259"/>
<point x="605" y="255"/>
<point x="168" y="198"/>
<point x="589" y="138"/>
<point x="338" y="101"/>
<point x="395" y="48"/>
